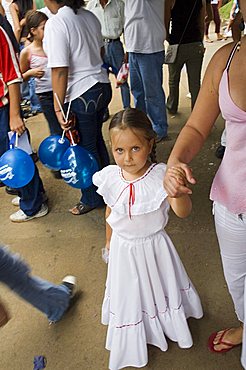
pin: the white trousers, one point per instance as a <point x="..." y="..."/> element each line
<point x="231" y="233"/>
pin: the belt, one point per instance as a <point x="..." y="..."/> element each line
<point x="111" y="40"/>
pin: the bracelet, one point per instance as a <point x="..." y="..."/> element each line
<point x="58" y="110"/>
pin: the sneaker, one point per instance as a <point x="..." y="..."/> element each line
<point x="70" y="282"/>
<point x="1" y="184"/>
<point x="11" y="191"/>
<point x="16" y="200"/>
<point x="20" y="216"/>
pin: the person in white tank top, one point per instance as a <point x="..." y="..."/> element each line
<point x="33" y="63"/>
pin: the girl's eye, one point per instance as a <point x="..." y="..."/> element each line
<point x="135" y="149"/>
<point x="119" y="150"/>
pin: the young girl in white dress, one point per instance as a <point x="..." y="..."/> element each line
<point x="148" y="294"/>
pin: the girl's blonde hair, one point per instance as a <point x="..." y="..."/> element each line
<point x="33" y="20"/>
<point x="135" y="119"/>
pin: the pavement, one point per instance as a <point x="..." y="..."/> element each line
<point x="60" y="244"/>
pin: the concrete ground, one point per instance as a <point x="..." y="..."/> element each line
<point x="60" y="243"/>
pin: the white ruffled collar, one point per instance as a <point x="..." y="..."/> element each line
<point x="137" y="197"/>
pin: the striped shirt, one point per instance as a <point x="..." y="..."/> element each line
<point x="9" y="67"/>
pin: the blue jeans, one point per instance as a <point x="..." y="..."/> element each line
<point x="89" y="109"/>
<point x="47" y="105"/>
<point x="34" y="101"/>
<point x="114" y="56"/>
<point x="31" y="194"/>
<point x="146" y="78"/>
<point x="51" y="299"/>
<point x="28" y="90"/>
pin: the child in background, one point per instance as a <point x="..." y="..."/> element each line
<point x="33" y="63"/>
<point x="148" y="294"/>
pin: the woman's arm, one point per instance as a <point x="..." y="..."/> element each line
<point x="108" y="228"/>
<point x="59" y="84"/>
<point x="14" y="11"/>
<point x="199" y="124"/>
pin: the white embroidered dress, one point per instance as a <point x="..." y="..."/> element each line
<point x="148" y="293"/>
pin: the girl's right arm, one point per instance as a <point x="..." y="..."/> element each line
<point x="108" y="228"/>
<point x="181" y="205"/>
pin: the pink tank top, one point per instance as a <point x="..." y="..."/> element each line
<point x="42" y="84"/>
<point x="229" y="185"/>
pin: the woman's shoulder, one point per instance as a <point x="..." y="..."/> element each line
<point x="221" y="56"/>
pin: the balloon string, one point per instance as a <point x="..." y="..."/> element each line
<point x="58" y="102"/>
<point x="63" y="134"/>
<point x="65" y="117"/>
<point x="16" y="140"/>
<point x="68" y="110"/>
<point x="73" y="143"/>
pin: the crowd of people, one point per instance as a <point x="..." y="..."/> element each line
<point x="148" y="295"/>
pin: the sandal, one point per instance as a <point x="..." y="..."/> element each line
<point x="221" y="341"/>
<point x="80" y="209"/>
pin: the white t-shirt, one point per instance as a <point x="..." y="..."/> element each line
<point x="74" y="41"/>
<point x="144" y="29"/>
<point x="46" y="11"/>
<point x="111" y="17"/>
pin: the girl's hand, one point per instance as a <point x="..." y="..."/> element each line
<point x="176" y="180"/>
<point x="37" y="72"/>
<point x="178" y="174"/>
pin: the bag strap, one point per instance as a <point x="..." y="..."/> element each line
<point x="235" y="47"/>
<point x="188" y="22"/>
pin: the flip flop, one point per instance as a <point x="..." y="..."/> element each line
<point x="221" y="341"/>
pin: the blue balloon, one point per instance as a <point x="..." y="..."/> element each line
<point x="78" y="167"/>
<point x="51" y="151"/>
<point x="16" y="168"/>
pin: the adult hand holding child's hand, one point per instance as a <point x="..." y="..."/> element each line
<point x="177" y="178"/>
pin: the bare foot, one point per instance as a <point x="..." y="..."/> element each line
<point x="232" y="336"/>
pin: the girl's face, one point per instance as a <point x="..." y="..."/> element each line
<point x="38" y="32"/>
<point x="131" y="150"/>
